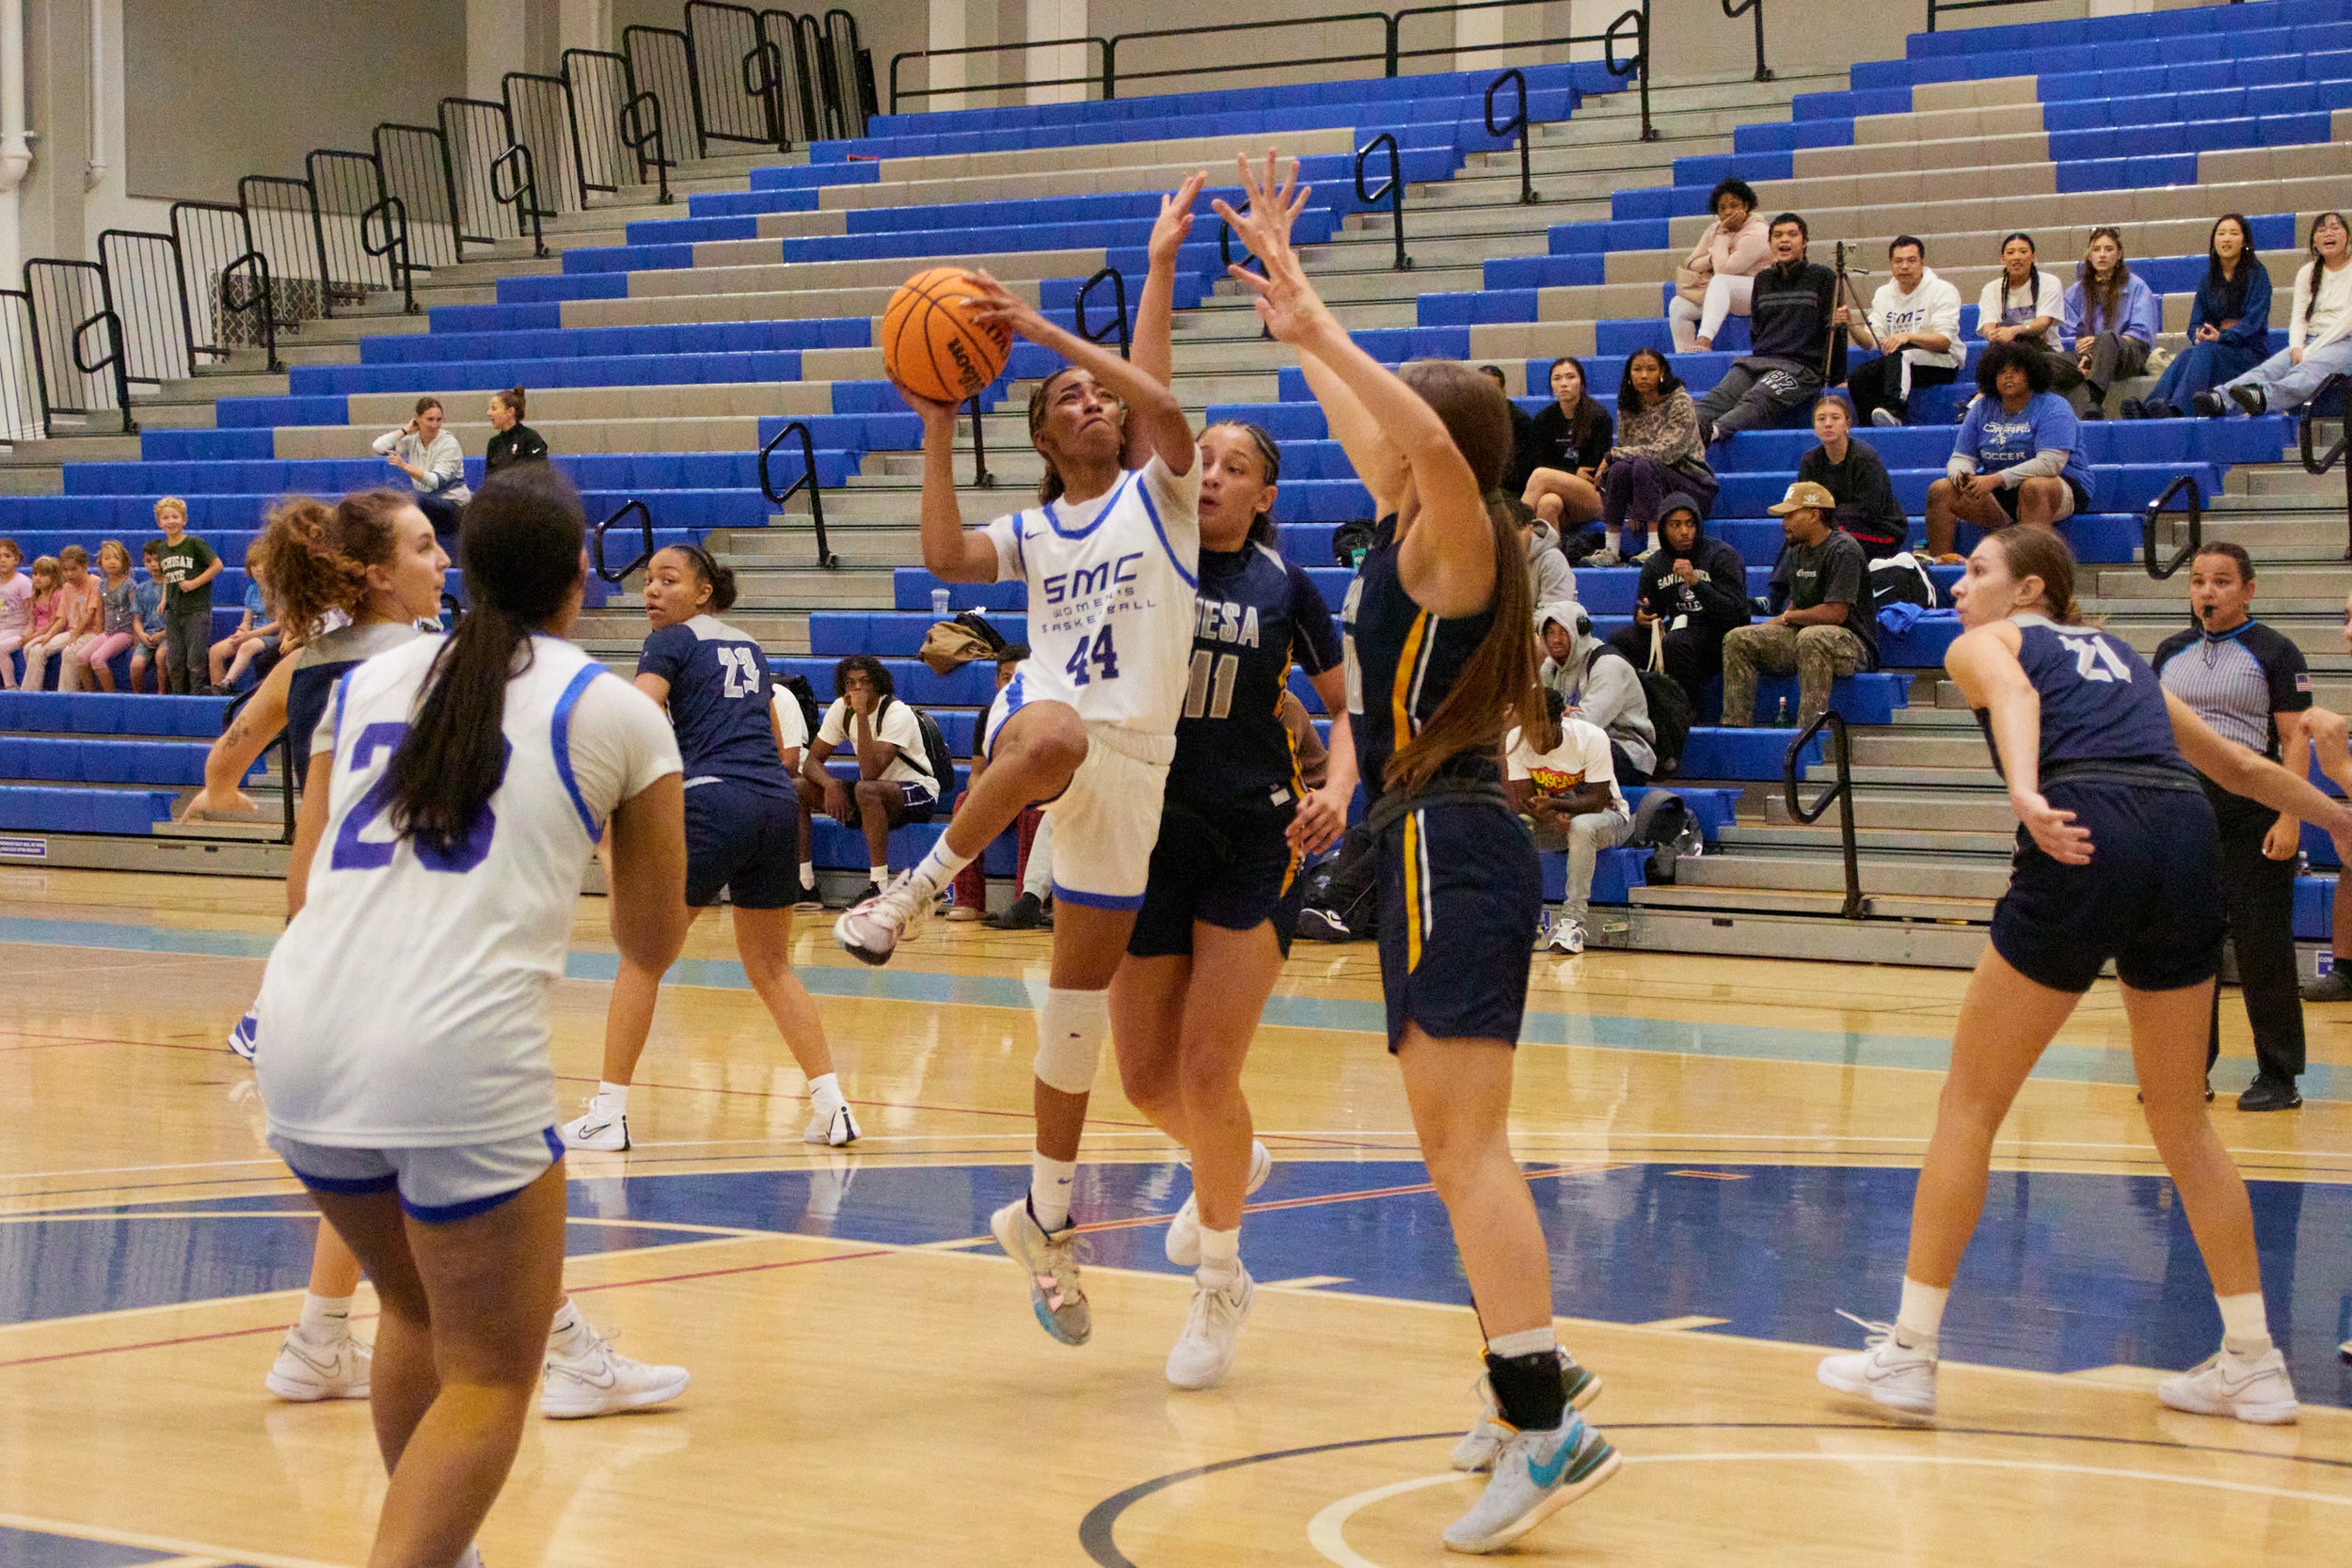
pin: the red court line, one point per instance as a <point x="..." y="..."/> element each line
<point x="41" y="1042"/>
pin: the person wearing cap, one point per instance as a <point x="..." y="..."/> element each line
<point x="1824" y="622"/>
<point x="1693" y="591"/>
<point x="1853" y="473"/>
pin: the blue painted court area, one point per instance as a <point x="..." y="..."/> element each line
<point x="26" y="1548"/>
<point x="2067" y="1273"/>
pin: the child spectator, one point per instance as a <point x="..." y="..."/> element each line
<point x="1572" y="434"/>
<point x="2111" y="319"/>
<point x="1658" y="453"/>
<point x="1562" y="779"/>
<point x="1823" y="623"/>
<point x="1717" y="280"/>
<point x="44" y="624"/>
<point x="257" y="629"/>
<point x="92" y="662"/>
<point x="2019" y="456"/>
<point x="2318" y="346"/>
<point x="187" y="566"/>
<point x="2024" y="306"/>
<point x="2229" y="324"/>
<point x="147" y="619"/>
<point x="16" y="602"/>
<point x="511" y="440"/>
<point x="1913" y="326"/>
<point x="81" y="610"/>
<point x="1853" y="473"/>
<point x="434" y="462"/>
<point x="894" y="784"/>
<point x="1789" y="307"/>
<point x="1693" y="591"/>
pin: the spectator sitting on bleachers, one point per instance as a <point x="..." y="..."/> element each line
<point x="1562" y="777"/>
<point x="41" y="623"/>
<point x="257" y="629"/>
<point x="2018" y="457"/>
<point x="894" y="784"/>
<point x="1823" y="623"/>
<point x="2024" y="306"/>
<point x="16" y="599"/>
<point x="2229" y="324"/>
<point x="434" y="462"/>
<point x="1789" y="314"/>
<point x="1693" y="591"/>
<point x="1913" y="326"/>
<point x="2317" y="344"/>
<point x="1600" y="684"/>
<point x="1573" y="432"/>
<point x="1547" y="574"/>
<point x="147" y="619"/>
<point x="1658" y="453"/>
<point x="81" y="610"/>
<point x="1526" y="452"/>
<point x="511" y="440"/>
<point x="1852" y="471"/>
<point x="2111" y="320"/>
<point x="90" y="661"/>
<point x="1715" y="279"/>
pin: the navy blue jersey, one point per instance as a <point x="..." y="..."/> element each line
<point x="718" y="692"/>
<point x="2101" y="702"/>
<point x="1256" y="615"/>
<point x="1402" y="662"/>
<point x="319" y="663"/>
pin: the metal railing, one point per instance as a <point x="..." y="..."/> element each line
<point x="602" y="86"/>
<point x="281" y="214"/>
<point x="77" y="376"/>
<point x="661" y="62"/>
<point x="143" y="275"/>
<point x="1840" y="794"/>
<point x="980" y="476"/>
<point x="2152" y="517"/>
<point x="1390" y="190"/>
<point x="546" y="118"/>
<point x="23" y="397"/>
<point x="846" y="75"/>
<point x="618" y="575"/>
<point x="737" y="73"/>
<point x="1937" y="8"/>
<point x="1118" y="324"/>
<point x="1517" y="122"/>
<point x="798" y="42"/>
<point x="1099" y="78"/>
<point x="778" y="496"/>
<point x="2337" y="389"/>
<point x="417" y="171"/>
<point x="641" y="129"/>
<point x="1755" y="8"/>
<point x="514" y="182"/>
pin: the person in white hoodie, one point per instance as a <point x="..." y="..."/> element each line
<point x="2318" y="345"/>
<point x="434" y="462"/>
<point x="1915" y="325"/>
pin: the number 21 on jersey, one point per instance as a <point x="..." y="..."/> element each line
<point x="1094" y="658"/>
<point x="2095" y="661"/>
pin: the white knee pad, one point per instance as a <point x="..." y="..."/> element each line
<point x="1070" y="1026"/>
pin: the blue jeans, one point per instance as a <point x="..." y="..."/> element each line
<point x="2287" y="386"/>
<point x="2201" y="367"/>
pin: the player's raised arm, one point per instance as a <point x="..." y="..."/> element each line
<point x="951" y="552"/>
<point x="1152" y="348"/>
<point x="1154" y="418"/>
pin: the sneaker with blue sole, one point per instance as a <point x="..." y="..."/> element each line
<point x="1535" y="1474"/>
<point x="1051" y="1262"/>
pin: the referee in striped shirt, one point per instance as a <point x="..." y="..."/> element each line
<point x="2252" y="685"/>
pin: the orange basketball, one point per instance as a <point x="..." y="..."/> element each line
<point x="929" y="344"/>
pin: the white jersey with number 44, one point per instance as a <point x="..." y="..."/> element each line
<point x="1111" y="587"/>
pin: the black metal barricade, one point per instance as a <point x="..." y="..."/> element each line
<point x="77" y="343"/>
<point x="478" y="132"/>
<point x="225" y="288"/>
<point x="737" y="71"/>
<point x="415" y="164"/>
<point x="281" y="215"/>
<point x="359" y="241"/>
<point x="661" y="62"/>
<point x="546" y="118"/>
<point x="143" y="280"/>
<point x="23" y="400"/>
<point x="602" y="89"/>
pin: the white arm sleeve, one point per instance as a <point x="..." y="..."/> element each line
<point x="620" y="742"/>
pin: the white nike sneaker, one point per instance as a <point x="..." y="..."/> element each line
<point x="871" y="930"/>
<point x="1535" y="1474"/>
<point x="2252" y="1388"/>
<point x="1889" y="1372"/>
<point x="835" y="1127"/>
<point x="603" y="1130"/>
<point x="1479" y="1445"/>
<point x="1204" y="1352"/>
<point x="1567" y="936"/>
<point x="603" y="1382"/>
<point x="242" y="1038"/>
<point x="1183" y="1244"/>
<point x="1051" y="1264"/>
<point x="305" y="1372"/>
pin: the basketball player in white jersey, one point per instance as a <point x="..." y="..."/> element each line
<point x="456" y="789"/>
<point x="1088" y="724"/>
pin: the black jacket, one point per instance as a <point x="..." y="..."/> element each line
<point x="1789" y="311"/>
<point x="1716" y="603"/>
<point x="1867" y="505"/>
<point x="519" y="445"/>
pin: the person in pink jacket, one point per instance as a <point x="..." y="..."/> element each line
<point x="1718" y="273"/>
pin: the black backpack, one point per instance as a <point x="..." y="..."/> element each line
<point x="1901" y="579"/>
<point x="805" y="695"/>
<point x="1669" y="720"/>
<point x="1349" y="542"/>
<point x="938" y="761"/>
<point x="1666" y="827"/>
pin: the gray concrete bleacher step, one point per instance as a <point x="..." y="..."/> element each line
<point x="1966" y="877"/>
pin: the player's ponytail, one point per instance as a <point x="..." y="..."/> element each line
<point x="522" y="546"/>
<point x="718" y="578"/>
<point x="2039" y="552"/>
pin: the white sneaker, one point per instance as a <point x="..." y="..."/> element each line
<point x="1479" y="1445"/>
<point x="602" y="1381"/>
<point x="872" y="930"/>
<point x="305" y="1372"/>
<point x="1898" y="1377"/>
<point x="1183" y="1244"/>
<point x="2252" y="1388"/>
<point x="1886" y="419"/>
<point x="1050" y="1264"/>
<point x="241" y="1038"/>
<point x="835" y="1128"/>
<point x="1567" y="936"/>
<point x="1535" y="1474"/>
<point x="603" y="1130"/>
<point x="1204" y="1352"/>
<point x="471" y="1559"/>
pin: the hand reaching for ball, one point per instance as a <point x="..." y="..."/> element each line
<point x="1287" y="303"/>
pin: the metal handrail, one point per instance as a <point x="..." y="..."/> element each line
<point x="2338" y="386"/>
<point x="1514" y="77"/>
<point x="1321" y="24"/>
<point x="111" y="358"/>
<point x="1936" y="8"/>
<point x="636" y="135"/>
<point x="2155" y="514"/>
<point x="1840" y="792"/>
<point x="395" y="215"/>
<point x="981" y="478"/>
<point x="1100" y="79"/>
<point x="618" y="575"/>
<point x="1392" y="189"/>
<point x="1755" y="8"/>
<point x="767" y="85"/>
<point x="1638" y="60"/>
<point x="524" y="194"/>
<point x="1118" y="324"/>
<point x="777" y="498"/>
<point x="258" y="304"/>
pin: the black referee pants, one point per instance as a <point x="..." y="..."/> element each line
<point x="2258" y="894"/>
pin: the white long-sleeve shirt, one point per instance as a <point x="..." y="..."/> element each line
<point x="1932" y="307"/>
<point x="2333" y="318"/>
<point x="445" y="460"/>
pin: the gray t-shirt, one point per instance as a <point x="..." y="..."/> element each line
<point x="1830" y="572"/>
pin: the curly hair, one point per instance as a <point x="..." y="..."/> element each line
<point x="2024" y="356"/>
<point x="316" y="556"/>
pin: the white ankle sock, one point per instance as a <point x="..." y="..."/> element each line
<point x="808" y="873"/>
<point x="1613" y="538"/>
<point x="613" y="1096"/>
<point x="1220" y="1256"/>
<point x="1527" y="1341"/>
<point x="1650" y="546"/>
<point x="878" y="875"/>
<point x="1050" y="1181"/>
<point x="824" y="1092"/>
<point x="323" y="1318"/>
<point x="569" y="1334"/>
<point x="1919" y="1320"/>
<point x="2244" y="1326"/>
<point x="939" y="867"/>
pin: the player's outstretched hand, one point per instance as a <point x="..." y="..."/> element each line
<point x="1321" y="818"/>
<point x="208" y="806"/>
<point x="993" y="305"/>
<point x="1175" y="222"/>
<point x="1287" y="303"/>
<point x="2054" y="832"/>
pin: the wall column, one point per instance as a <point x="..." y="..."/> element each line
<point x="1056" y="19"/>
<point x="497" y="41"/>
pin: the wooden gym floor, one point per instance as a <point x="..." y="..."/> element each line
<point x="1722" y="1150"/>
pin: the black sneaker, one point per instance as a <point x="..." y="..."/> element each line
<point x="2251" y="398"/>
<point x="1027" y="914"/>
<point x="2208" y="405"/>
<point x="1323" y="925"/>
<point x="870" y="891"/>
<point x="2334" y="986"/>
<point x="2133" y="408"/>
<point x="807" y="899"/>
<point x="2269" y="1094"/>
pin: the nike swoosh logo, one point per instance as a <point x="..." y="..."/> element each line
<point x="1547" y="1475"/>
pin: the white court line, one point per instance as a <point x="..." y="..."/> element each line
<point x="199" y="1551"/>
<point x="1327" y="1530"/>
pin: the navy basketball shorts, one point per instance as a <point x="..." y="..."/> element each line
<point x="2150" y="899"/>
<point x="744" y="841"/>
<point x="1231" y="869"/>
<point x="1460" y="890"/>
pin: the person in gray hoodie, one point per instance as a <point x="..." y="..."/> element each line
<point x="1601" y="687"/>
<point x="1549" y="577"/>
<point x="1693" y="590"/>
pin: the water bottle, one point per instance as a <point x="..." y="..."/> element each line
<point x="1783" y="720"/>
<point x="939" y="605"/>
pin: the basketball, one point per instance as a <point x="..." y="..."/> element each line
<point x="930" y="345"/>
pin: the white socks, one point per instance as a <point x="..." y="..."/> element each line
<point x="569" y="1334"/>
<point x="938" y="868"/>
<point x="824" y="1093"/>
<point x="1613" y="538"/>
<point x="1050" y="1184"/>
<point x="2244" y="1326"/>
<point x="1505" y="1347"/>
<point x="614" y="1097"/>
<point x="1220" y="1256"/>
<point x="808" y="873"/>
<point x="878" y="875"/>
<point x="325" y="1319"/>
<point x="1920" y="1319"/>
